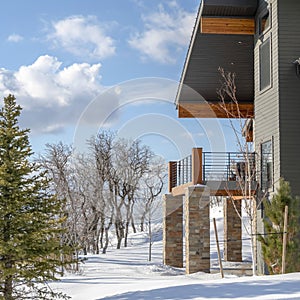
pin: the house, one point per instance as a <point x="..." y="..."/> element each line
<point x="259" y="41"/>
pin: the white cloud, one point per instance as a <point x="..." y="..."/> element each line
<point x="15" y="38"/>
<point x="52" y="97"/>
<point x="83" y="37"/>
<point x="166" y="32"/>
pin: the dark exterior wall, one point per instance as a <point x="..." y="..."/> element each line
<point x="289" y="91"/>
<point x="266" y="125"/>
<point x="277" y="109"/>
<point x="266" y="105"/>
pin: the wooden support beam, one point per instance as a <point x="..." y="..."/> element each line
<point x="214" y="110"/>
<point x="219" y="25"/>
<point x="197" y="166"/>
<point x="172" y="175"/>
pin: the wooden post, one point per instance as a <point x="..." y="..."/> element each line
<point x="218" y="248"/>
<point x="172" y="176"/>
<point x="197" y="166"/>
<point x="285" y="228"/>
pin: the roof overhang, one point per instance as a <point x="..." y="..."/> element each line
<point x="223" y="37"/>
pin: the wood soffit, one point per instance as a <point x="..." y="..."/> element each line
<point x="225" y="41"/>
<point x="215" y="110"/>
<point x="222" y="25"/>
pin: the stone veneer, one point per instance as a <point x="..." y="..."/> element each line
<point x="232" y="230"/>
<point x="172" y="231"/>
<point x="197" y="229"/>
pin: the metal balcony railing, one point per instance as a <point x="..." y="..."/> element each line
<point x="184" y="170"/>
<point x="209" y="166"/>
<point x="228" y="166"/>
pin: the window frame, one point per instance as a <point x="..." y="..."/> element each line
<point x="267" y="87"/>
<point x="267" y="165"/>
<point x="266" y="12"/>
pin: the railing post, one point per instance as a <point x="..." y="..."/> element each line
<point x="229" y="163"/>
<point x="172" y="176"/>
<point x="203" y="166"/>
<point x="197" y="166"/>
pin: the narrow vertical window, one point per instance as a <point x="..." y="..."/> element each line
<point x="266" y="165"/>
<point x="264" y="22"/>
<point x="265" y="64"/>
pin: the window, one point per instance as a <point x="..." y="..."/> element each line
<point x="266" y="165"/>
<point x="265" y="64"/>
<point x="264" y="22"/>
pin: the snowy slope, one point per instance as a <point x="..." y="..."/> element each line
<point x="126" y="274"/>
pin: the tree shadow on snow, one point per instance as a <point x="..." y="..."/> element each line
<point x="212" y="291"/>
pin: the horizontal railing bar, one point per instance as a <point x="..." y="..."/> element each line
<point x="215" y="165"/>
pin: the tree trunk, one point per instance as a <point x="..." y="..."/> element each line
<point x="126" y="234"/>
<point x="106" y="241"/>
<point x="84" y="250"/>
<point x="133" y="225"/>
<point x="119" y="241"/>
<point x="150" y="239"/>
<point x="143" y="217"/>
<point x="142" y="224"/>
<point x="101" y="233"/>
<point x="254" y="240"/>
<point x="97" y="236"/>
<point x="128" y="218"/>
<point x="8" y="288"/>
<point x="106" y="231"/>
<point x="120" y="233"/>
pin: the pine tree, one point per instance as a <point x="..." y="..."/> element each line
<point x="274" y="222"/>
<point x="30" y="222"/>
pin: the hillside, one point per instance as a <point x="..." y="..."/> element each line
<point x="128" y="275"/>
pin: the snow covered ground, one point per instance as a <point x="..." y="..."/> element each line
<point x="127" y="274"/>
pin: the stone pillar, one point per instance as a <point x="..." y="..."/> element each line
<point x="172" y="231"/>
<point x="197" y="231"/>
<point x="232" y="230"/>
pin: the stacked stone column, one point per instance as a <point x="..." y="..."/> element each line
<point x="173" y="231"/>
<point x="232" y="230"/>
<point x="197" y="229"/>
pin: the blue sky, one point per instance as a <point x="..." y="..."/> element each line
<point x="76" y="66"/>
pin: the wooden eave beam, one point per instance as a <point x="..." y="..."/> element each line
<point x="220" y="25"/>
<point x="215" y="110"/>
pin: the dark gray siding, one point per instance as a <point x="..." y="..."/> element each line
<point x="289" y="91"/>
<point x="267" y="101"/>
<point x="266" y="105"/>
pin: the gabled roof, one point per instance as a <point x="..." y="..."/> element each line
<point x="208" y="52"/>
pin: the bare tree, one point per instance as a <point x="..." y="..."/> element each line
<point x="153" y="186"/>
<point x="102" y="147"/>
<point x="245" y="172"/>
<point x="101" y="188"/>
<point x="133" y="161"/>
<point x="58" y="163"/>
<point x="89" y="192"/>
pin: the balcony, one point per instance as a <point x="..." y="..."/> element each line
<point x="226" y="173"/>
